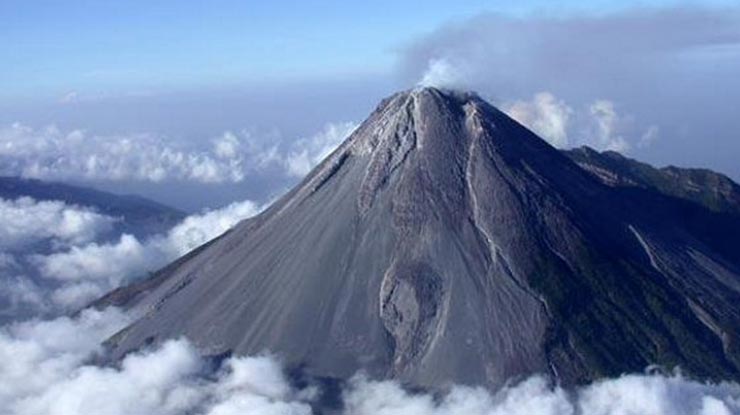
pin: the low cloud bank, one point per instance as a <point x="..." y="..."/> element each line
<point x="627" y="395"/>
<point x="54" y="154"/>
<point x="53" y="366"/>
<point x="51" y="257"/>
<point x="50" y="153"/>
<point x="37" y="354"/>
<point x="89" y="271"/>
<point x="43" y="227"/>
<point x="27" y="221"/>
<point x="46" y="368"/>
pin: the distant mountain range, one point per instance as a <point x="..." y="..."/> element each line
<point x="139" y="216"/>
<point x="443" y="243"/>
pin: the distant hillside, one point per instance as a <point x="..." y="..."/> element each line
<point x="710" y="189"/>
<point x="140" y="216"/>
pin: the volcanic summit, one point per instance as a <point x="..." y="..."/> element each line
<point x="443" y="243"/>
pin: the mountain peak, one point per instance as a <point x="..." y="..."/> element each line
<point x="439" y="92"/>
<point x="446" y="133"/>
<point x="418" y="116"/>
<point x="423" y="96"/>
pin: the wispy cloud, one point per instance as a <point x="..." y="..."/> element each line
<point x="598" y="124"/>
<point x="607" y="122"/>
<point x="441" y="73"/>
<point x="637" y="71"/>
<point x="545" y="115"/>
<point x="305" y="154"/>
<point x="597" y="53"/>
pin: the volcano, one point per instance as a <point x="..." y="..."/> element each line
<point x="444" y="243"/>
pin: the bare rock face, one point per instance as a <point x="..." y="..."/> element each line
<point x="443" y="242"/>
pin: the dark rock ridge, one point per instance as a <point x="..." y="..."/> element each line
<point x="712" y="190"/>
<point x="443" y="242"/>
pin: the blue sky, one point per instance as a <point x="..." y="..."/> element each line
<point x="50" y="46"/>
<point x="656" y="79"/>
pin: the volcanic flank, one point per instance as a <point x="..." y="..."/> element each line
<point x="443" y="242"/>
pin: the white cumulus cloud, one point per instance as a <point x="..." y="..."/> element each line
<point x="50" y="153"/>
<point x="88" y="271"/>
<point x="37" y="354"/>
<point x="45" y="227"/>
<point x="45" y="369"/>
<point x="160" y="382"/>
<point x="546" y="115"/>
<point x="626" y="395"/>
<point x="27" y="221"/>
<point x="606" y="124"/>
<point x="53" y="255"/>
<point x="306" y="153"/>
<point x="53" y="154"/>
<point x="598" y="125"/>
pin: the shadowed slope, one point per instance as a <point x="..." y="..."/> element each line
<point x="712" y="190"/>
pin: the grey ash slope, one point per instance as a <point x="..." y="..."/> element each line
<point x="443" y="242"/>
